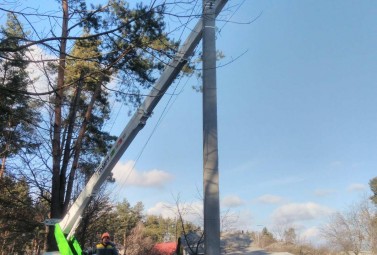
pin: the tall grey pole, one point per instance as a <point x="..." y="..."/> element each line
<point x="210" y="147"/>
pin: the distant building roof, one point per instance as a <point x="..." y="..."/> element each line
<point x="164" y="248"/>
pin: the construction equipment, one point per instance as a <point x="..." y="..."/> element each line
<point x="65" y="229"/>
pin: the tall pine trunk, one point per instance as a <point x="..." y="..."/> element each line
<point x="57" y="191"/>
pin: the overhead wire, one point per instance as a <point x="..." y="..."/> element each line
<point x="167" y="107"/>
<point x="120" y="187"/>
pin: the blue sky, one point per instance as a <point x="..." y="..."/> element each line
<point x="297" y="119"/>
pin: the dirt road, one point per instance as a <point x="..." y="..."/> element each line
<point x="255" y="251"/>
<point x="237" y="244"/>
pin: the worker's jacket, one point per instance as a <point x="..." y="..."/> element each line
<point x="109" y="249"/>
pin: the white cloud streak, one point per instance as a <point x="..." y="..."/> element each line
<point x="355" y="187"/>
<point x="270" y="199"/>
<point x="312" y="235"/>
<point x="232" y="201"/>
<point x="295" y="212"/>
<point x="323" y="192"/>
<point x="126" y="174"/>
<point x="192" y="212"/>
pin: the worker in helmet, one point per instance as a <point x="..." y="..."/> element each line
<point x="105" y="247"/>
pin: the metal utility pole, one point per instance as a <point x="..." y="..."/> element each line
<point x="210" y="147"/>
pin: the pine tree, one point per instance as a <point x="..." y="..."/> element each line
<point x="18" y="223"/>
<point x="80" y="103"/>
<point x="127" y="46"/>
<point x="128" y="218"/>
<point x="373" y="187"/>
<point x="18" y="113"/>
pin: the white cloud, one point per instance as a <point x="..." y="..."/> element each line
<point x="236" y="220"/>
<point x="35" y="69"/>
<point x="323" y="192"/>
<point x="245" y="220"/>
<point x="232" y="201"/>
<point x="165" y="210"/>
<point x="312" y="235"/>
<point x="295" y="212"/>
<point x="192" y="212"/>
<point x="283" y="181"/>
<point x="356" y="187"/>
<point x="125" y="173"/>
<point x="269" y="199"/>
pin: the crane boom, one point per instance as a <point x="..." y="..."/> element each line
<point x="71" y="220"/>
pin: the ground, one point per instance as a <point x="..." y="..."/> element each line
<point x="239" y="243"/>
<point x="254" y="251"/>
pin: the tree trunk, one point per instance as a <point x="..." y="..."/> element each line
<point x="77" y="147"/>
<point x="68" y="141"/>
<point x="124" y="242"/>
<point x="4" y="158"/>
<point x="57" y="192"/>
<point x="2" y="168"/>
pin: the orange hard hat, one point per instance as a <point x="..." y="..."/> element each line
<point x="105" y="235"/>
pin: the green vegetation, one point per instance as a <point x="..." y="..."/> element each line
<point x="52" y="126"/>
<point x="52" y="134"/>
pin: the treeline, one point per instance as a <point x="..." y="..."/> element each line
<point x="22" y="230"/>
<point x="61" y="72"/>
<point x="352" y="231"/>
